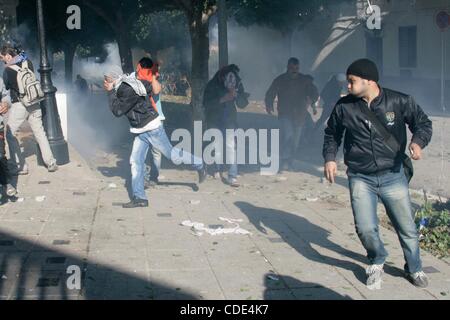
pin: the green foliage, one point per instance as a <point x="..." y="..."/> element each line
<point x="435" y="234"/>
<point x="160" y="30"/>
<point x="285" y="16"/>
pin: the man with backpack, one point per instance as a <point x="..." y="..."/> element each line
<point x="26" y="94"/>
<point x="374" y="121"/>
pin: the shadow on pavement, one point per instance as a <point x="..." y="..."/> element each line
<point x="310" y="234"/>
<point x="31" y="271"/>
<point x="300" y="290"/>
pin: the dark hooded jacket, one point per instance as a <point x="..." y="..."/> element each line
<point x="223" y="115"/>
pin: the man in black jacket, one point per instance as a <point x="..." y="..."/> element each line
<point x="130" y="97"/>
<point x="375" y="171"/>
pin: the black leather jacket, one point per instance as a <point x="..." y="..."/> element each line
<point x="137" y="109"/>
<point x="364" y="149"/>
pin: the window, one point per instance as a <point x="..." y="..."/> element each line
<point x="374" y="51"/>
<point x="408" y="47"/>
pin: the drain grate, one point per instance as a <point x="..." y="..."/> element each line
<point x="164" y="215"/>
<point x="56" y="260"/>
<point x="61" y="242"/>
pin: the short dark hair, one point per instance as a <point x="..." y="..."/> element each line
<point x="146" y="63"/>
<point x="294" y="61"/>
<point x="9" y="49"/>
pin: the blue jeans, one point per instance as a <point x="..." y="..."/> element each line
<point x="230" y="158"/>
<point x="290" y="133"/>
<point x="392" y="189"/>
<point x="152" y="171"/>
<point x="158" y="140"/>
<point x="155" y="165"/>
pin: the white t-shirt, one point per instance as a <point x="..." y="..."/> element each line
<point x="152" y="125"/>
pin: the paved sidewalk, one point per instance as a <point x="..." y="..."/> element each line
<point x="300" y="247"/>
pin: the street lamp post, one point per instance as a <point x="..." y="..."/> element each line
<point x="50" y="116"/>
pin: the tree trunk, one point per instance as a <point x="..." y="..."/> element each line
<point x="289" y="37"/>
<point x="199" y="31"/>
<point x="123" y="41"/>
<point x="69" y="54"/>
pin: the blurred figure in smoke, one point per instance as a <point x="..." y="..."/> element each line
<point x="222" y="94"/>
<point x="295" y="92"/>
<point x="335" y="89"/>
<point x="182" y="86"/>
<point x="81" y="85"/>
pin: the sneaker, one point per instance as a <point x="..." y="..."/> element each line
<point x="52" y="167"/>
<point x="150" y="183"/>
<point x="136" y="203"/>
<point x="374" y="274"/>
<point x="202" y="175"/>
<point x="10" y="190"/>
<point x="419" y="279"/>
<point x="233" y="182"/>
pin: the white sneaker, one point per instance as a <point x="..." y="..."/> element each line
<point x="10" y="190"/>
<point x="374" y="274"/>
<point x="233" y="182"/>
<point x="52" y="167"/>
<point x="419" y="279"/>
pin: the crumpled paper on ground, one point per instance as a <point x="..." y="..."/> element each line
<point x="199" y="228"/>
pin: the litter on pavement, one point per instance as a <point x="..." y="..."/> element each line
<point x="200" y="228"/>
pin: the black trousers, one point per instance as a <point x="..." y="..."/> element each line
<point x="3" y="161"/>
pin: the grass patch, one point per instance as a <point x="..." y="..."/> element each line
<point x="433" y="222"/>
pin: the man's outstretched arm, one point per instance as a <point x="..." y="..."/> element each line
<point x="332" y="140"/>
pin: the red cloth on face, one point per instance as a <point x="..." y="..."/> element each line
<point x="147" y="75"/>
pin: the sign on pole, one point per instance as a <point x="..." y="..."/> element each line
<point x="443" y="20"/>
